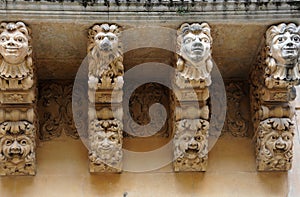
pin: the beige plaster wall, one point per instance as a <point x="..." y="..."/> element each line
<point x="63" y="171"/>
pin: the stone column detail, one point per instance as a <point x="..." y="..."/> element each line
<point x="105" y="81"/>
<point x="272" y="87"/>
<point x="18" y="120"/>
<point x="192" y="112"/>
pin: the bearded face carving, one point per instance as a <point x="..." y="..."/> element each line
<point x="274" y="144"/>
<point x="105" y="57"/>
<point x="283" y="46"/>
<point x="190" y="144"/>
<point x="194" y="49"/>
<point x="17" y="148"/>
<point x="106" y="142"/>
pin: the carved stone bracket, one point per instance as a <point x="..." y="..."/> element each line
<point x="105" y="114"/>
<point x="272" y="87"/>
<point x="192" y="110"/>
<point x="18" y="120"/>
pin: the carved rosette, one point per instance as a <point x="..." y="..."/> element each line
<point x="272" y="87"/>
<point x="105" y="114"/>
<point x="18" y="120"/>
<point x="191" y="81"/>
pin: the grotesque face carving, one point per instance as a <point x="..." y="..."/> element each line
<point x="106" y="141"/>
<point x="106" y="42"/>
<point x="195" y="42"/>
<point x="279" y="142"/>
<point x="16" y="147"/>
<point x="14" y="42"/>
<point x="284" y="43"/>
<point x="191" y="144"/>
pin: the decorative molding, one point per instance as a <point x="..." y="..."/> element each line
<point x="55" y="110"/>
<point x="17" y="148"/>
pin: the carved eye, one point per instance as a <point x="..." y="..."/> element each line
<point x="286" y="138"/>
<point x="4" y="38"/>
<point x="23" y="142"/>
<point x="281" y="39"/>
<point x="8" y="142"/>
<point x="188" y="40"/>
<point x="113" y="138"/>
<point x="205" y="40"/>
<point x="100" y="38"/>
<point x="186" y="138"/>
<point x="111" y="38"/>
<point x="20" y="39"/>
<point x="296" y="38"/>
<point x="198" y="138"/>
<point x="273" y="137"/>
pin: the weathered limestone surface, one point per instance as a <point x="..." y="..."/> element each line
<point x="17" y="105"/>
<point x="273" y="80"/>
<point x="193" y="67"/>
<point x="105" y="77"/>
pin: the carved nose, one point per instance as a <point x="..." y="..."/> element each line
<point x="290" y="44"/>
<point x="11" y="43"/>
<point x="105" y="43"/>
<point x="197" y="44"/>
<point x="15" y="148"/>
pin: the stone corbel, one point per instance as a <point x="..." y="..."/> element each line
<point x="105" y="82"/>
<point x="192" y="112"/>
<point x="272" y="87"/>
<point x="18" y="120"/>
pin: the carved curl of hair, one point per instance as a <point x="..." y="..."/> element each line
<point x="194" y="28"/>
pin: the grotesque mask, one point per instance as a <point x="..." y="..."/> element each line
<point x="16" y="147"/>
<point x="14" y="42"/>
<point x="195" y="42"/>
